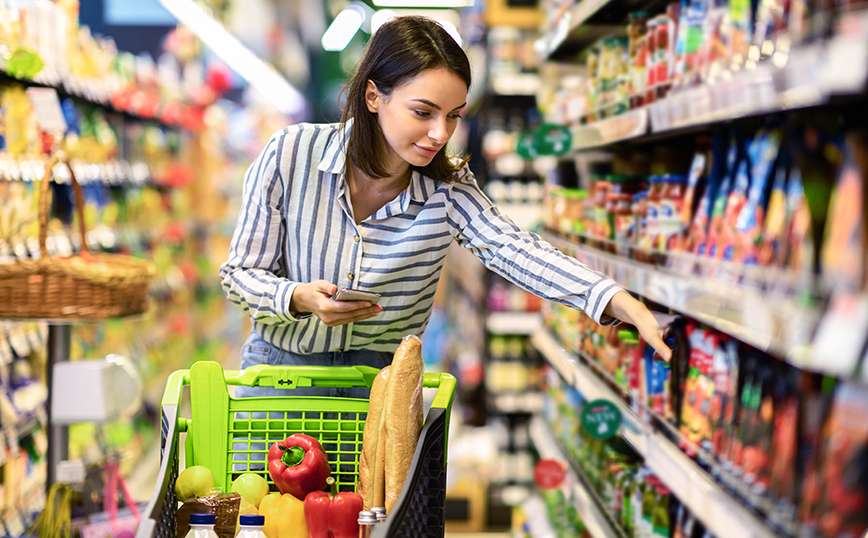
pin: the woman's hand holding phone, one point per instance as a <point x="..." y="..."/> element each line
<point x="316" y="297"/>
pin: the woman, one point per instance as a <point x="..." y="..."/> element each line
<point x="372" y="203"/>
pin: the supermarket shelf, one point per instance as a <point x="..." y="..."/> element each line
<point x="620" y="128"/>
<point x="779" y="321"/>
<point x="590" y="510"/>
<point x="808" y="76"/>
<point x="100" y="97"/>
<point x="718" y="510"/>
<point x="524" y="402"/>
<point x="586" y="22"/>
<point x="513" y="322"/>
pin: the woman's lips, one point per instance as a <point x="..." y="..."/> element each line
<point x="430" y="152"/>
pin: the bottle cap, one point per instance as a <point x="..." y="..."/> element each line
<point x="367" y="518"/>
<point x="380" y="513"/>
<point x="254" y="521"/>
<point x="202" y="519"/>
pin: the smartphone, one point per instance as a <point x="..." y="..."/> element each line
<point x="345" y="294"/>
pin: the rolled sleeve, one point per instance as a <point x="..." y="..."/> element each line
<point x="598" y="298"/>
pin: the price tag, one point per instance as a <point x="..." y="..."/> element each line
<point x="841" y="334"/>
<point x="49" y="115"/>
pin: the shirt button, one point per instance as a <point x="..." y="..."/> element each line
<point x="351" y="276"/>
<point x="357" y="239"/>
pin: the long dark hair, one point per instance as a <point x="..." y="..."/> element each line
<point x="399" y="50"/>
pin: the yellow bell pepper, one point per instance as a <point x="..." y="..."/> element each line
<point x="284" y="516"/>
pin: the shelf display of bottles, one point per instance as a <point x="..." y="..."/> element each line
<point x="621" y="497"/>
<point x="766" y="431"/>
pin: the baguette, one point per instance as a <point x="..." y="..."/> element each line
<point x="403" y="415"/>
<point x="369" y="464"/>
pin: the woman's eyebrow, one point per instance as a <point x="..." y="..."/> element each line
<point x="436" y="106"/>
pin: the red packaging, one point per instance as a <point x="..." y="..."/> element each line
<point x="844" y="503"/>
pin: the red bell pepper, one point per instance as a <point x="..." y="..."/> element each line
<point x="335" y="516"/>
<point x="298" y="465"/>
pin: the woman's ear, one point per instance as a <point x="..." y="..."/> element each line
<point x="372" y="97"/>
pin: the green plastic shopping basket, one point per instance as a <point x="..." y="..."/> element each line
<point x="232" y="435"/>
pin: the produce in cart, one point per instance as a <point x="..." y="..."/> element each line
<point x="298" y="465"/>
<point x="284" y="516"/>
<point x="332" y="516"/>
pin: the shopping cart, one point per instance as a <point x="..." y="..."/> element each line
<point x="231" y="436"/>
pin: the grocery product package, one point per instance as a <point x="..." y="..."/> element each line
<point x="224" y="506"/>
<point x="843" y="257"/>
<point x="843" y="474"/>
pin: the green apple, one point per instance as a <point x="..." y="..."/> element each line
<point x="252" y="488"/>
<point x="196" y="480"/>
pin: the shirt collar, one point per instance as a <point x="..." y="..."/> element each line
<point x="334" y="159"/>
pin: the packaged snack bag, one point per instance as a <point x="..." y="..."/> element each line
<point x="785" y="443"/>
<point x="698" y="234"/>
<point x="843" y="257"/>
<point x="844" y="471"/>
<point x="799" y="253"/>
<point x="748" y="226"/>
<point x="773" y="237"/>
<point x="695" y="421"/>
<point x="725" y="375"/>
<point x="721" y="197"/>
<point x="695" y="182"/>
<point x="815" y="393"/>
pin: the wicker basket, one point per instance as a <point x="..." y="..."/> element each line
<point x="82" y="287"/>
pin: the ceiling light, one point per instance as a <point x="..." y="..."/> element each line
<point x="380" y="18"/>
<point x="453" y="31"/>
<point x="239" y="58"/>
<point x="423" y="3"/>
<point x="343" y="29"/>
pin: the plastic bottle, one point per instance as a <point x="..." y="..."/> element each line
<point x="251" y="526"/>
<point x="367" y="520"/>
<point x="201" y="526"/>
<point x="380" y="513"/>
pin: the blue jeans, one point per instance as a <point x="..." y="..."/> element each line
<point x="257" y="351"/>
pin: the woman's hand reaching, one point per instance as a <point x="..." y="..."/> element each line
<point x="316" y="297"/>
<point x="624" y="307"/>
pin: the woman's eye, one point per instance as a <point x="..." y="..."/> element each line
<point x="455" y="116"/>
<point x="422" y="113"/>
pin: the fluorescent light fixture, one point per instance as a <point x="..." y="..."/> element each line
<point x="343" y="29"/>
<point x="380" y="18"/>
<point x="453" y="31"/>
<point x="423" y="3"/>
<point x="261" y="76"/>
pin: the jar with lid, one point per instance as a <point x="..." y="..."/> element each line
<point x="601" y="190"/>
<point x="575" y="211"/>
<point x="624" y="223"/>
<point x="669" y="212"/>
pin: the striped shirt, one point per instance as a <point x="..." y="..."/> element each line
<point x="297" y="226"/>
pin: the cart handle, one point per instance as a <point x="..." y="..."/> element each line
<point x="290" y="377"/>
